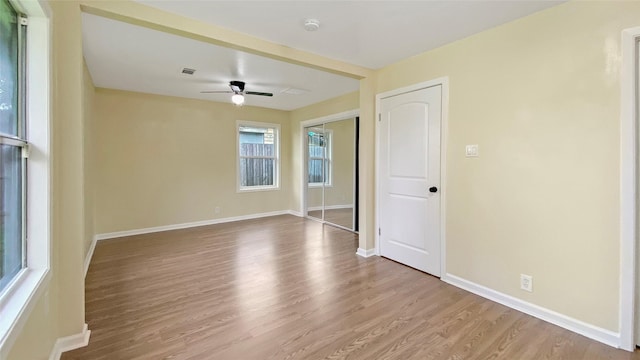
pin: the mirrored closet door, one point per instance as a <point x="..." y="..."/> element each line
<point x="331" y="172"/>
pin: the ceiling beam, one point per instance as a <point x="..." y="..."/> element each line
<point x="138" y="14"/>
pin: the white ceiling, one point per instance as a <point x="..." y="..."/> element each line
<point x="367" y="33"/>
<point x="128" y="57"/>
<point x="372" y="34"/>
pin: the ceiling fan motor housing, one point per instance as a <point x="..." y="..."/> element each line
<point x="237" y="86"/>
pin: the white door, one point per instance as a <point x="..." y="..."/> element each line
<point x="409" y="186"/>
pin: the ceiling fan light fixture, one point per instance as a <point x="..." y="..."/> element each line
<point x="236" y="86"/>
<point x="237" y="99"/>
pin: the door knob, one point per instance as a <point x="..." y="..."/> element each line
<point x="433" y="189"/>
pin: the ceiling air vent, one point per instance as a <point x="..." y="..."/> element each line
<point x="188" y="71"/>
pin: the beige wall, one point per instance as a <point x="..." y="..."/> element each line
<point x="329" y="107"/>
<point x="540" y="96"/>
<point x="60" y="310"/>
<point x="68" y="160"/>
<point x="366" y="164"/>
<point x="141" y="124"/>
<point x="89" y="164"/>
<point x="167" y="160"/>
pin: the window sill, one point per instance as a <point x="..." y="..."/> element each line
<point x="319" y="185"/>
<point x="258" y="188"/>
<point x="17" y="303"/>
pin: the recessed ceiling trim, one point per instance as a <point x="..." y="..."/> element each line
<point x="142" y="15"/>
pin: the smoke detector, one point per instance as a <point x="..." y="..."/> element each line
<point x="311" y="24"/>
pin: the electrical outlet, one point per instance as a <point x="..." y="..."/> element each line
<point x="217" y="209"/>
<point x="471" y="151"/>
<point x="526" y="282"/>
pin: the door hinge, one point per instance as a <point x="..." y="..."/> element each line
<point x="379" y="232"/>
<point x="24" y="21"/>
<point x="380" y="117"/>
<point x="25" y="151"/>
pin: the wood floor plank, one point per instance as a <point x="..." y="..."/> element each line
<point x="289" y="288"/>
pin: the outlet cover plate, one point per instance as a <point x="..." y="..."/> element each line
<point x="526" y="282"/>
<point x="471" y="151"/>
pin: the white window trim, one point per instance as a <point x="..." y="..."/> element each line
<point x="19" y="298"/>
<point x="276" y="181"/>
<point x="329" y="183"/>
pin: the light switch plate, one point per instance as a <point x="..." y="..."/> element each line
<point x="472" y="151"/>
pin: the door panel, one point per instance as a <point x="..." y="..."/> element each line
<point x="406" y="137"/>
<point x="405" y="231"/>
<point x="409" y="166"/>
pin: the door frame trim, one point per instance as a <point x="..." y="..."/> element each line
<point x="303" y="143"/>
<point x="444" y="131"/>
<point x="628" y="186"/>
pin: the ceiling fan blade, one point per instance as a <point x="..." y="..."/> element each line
<point x="258" y="93"/>
<point x="216" y="92"/>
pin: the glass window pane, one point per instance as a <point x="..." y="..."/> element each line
<point x="11" y="256"/>
<point x="315" y="171"/>
<point x="257" y="172"/>
<point x="317" y="144"/>
<point x="258" y="155"/>
<point x="253" y="149"/>
<point x="257" y="141"/>
<point x="8" y="69"/>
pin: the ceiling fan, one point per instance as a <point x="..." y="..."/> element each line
<point x="237" y="89"/>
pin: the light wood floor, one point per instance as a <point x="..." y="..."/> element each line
<point x="289" y="288"/>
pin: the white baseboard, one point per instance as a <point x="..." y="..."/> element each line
<point x="71" y="342"/>
<point x="331" y="207"/>
<point x="295" y="213"/>
<point x="89" y="255"/>
<point x="118" y="234"/>
<point x="366" y="253"/>
<point x="591" y="331"/>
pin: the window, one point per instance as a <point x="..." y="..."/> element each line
<point x="13" y="145"/>
<point x="258" y="153"/>
<point x="25" y="197"/>
<point x="319" y="147"/>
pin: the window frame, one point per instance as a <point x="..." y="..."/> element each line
<point x="19" y="298"/>
<point x="19" y="141"/>
<point x="328" y="161"/>
<point x="276" y="158"/>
